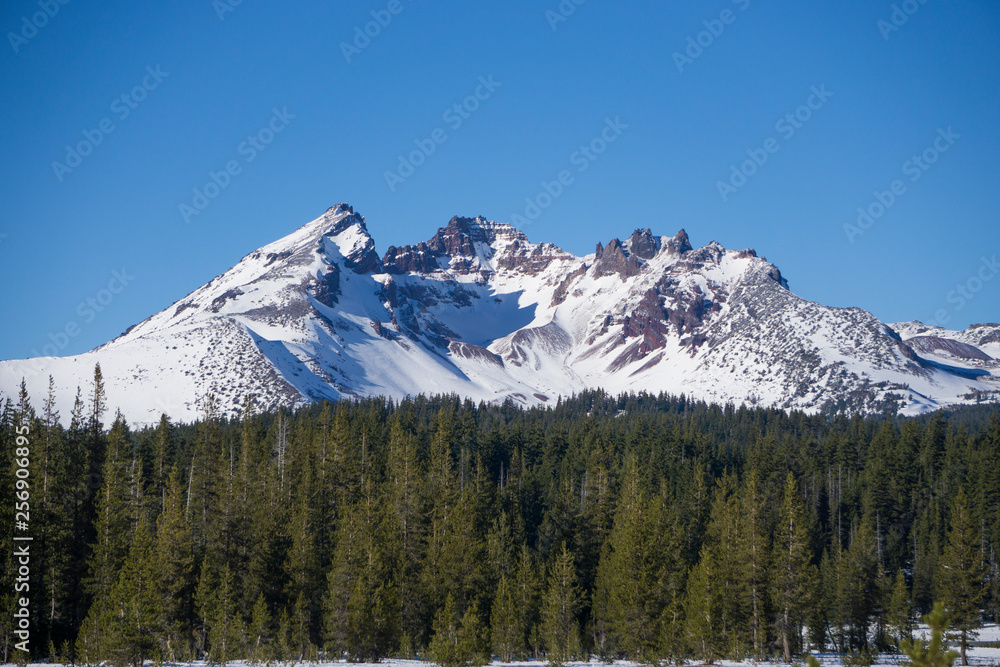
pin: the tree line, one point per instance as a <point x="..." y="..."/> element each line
<point x="644" y="527"/>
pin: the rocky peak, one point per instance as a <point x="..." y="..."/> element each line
<point x="459" y="237"/>
<point x="679" y="244"/>
<point x="643" y="244"/>
<point x="615" y="259"/>
<point x="347" y="230"/>
<point x="457" y="240"/>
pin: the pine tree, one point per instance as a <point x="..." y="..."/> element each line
<point x="507" y="638"/>
<point x="83" y="482"/>
<point x="858" y="590"/>
<point x="134" y="613"/>
<point x="527" y="587"/>
<point x="174" y="572"/>
<point x="960" y="580"/>
<point x="259" y="633"/>
<point x="634" y="574"/>
<point x="299" y="635"/>
<point x="362" y="603"/>
<point x="560" y="609"/>
<point x="724" y="539"/>
<point x="204" y="476"/>
<point x="701" y="615"/>
<point x="225" y="627"/>
<point x="793" y="575"/>
<point x="935" y="653"/>
<point x="303" y="574"/>
<point x="900" y="617"/>
<point x="162" y="456"/>
<point x="110" y="549"/>
<point x="454" y="643"/>
<point x="756" y="558"/>
<point x="405" y="478"/>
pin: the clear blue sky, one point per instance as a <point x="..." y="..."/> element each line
<point x="221" y="78"/>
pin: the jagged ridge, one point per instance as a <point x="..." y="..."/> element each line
<point x="480" y="310"/>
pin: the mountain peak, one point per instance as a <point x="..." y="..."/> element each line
<point x="347" y="231"/>
<point x="680" y="243"/>
<point x="460" y="232"/>
<point x="480" y="311"/>
<point x="643" y="244"/>
<point x="464" y="239"/>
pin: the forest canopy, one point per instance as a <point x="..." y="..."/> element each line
<point x="639" y="526"/>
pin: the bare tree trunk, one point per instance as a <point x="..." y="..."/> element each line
<point x="784" y="638"/>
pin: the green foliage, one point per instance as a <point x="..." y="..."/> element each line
<point x="701" y="610"/>
<point x="457" y="642"/>
<point x="506" y="624"/>
<point x="961" y="581"/>
<point x="793" y="575"/>
<point x="934" y="653"/>
<point x="643" y="527"/>
<point x="559" y="611"/>
<point x="900" y="617"/>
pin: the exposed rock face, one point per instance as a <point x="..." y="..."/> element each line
<point x="472" y="246"/>
<point x="362" y="257"/>
<point x="410" y="259"/>
<point x="328" y="287"/>
<point x="615" y="260"/>
<point x="643" y="244"/>
<point x="679" y="244"/>
<point x="470" y="351"/>
<point x="953" y="347"/>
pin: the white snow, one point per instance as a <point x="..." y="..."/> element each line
<point x="258" y="329"/>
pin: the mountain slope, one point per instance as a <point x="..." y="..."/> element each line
<point x="480" y="311"/>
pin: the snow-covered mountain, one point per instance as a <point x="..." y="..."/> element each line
<point x="480" y="311"/>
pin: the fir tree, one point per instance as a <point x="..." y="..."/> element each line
<point x="724" y="539"/>
<point x="223" y="621"/>
<point x="259" y="633"/>
<point x="960" y="581"/>
<point x="108" y="553"/>
<point x="134" y="613"/>
<point x="454" y="644"/>
<point x="362" y="603"/>
<point x="900" y="617"/>
<point x="701" y="627"/>
<point x="174" y="572"/>
<point x="507" y="638"/>
<point x="936" y="652"/>
<point x="858" y="590"/>
<point x="560" y="609"/>
<point x="793" y="575"/>
<point x="756" y="558"/>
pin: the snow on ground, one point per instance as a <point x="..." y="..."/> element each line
<point x="979" y="655"/>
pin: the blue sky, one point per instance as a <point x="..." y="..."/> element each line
<point x="200" y="78"/>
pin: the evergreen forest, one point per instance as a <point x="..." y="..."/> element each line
<point x="640" y="527"/>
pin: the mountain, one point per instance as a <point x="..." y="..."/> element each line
<point x="481" y="311"/>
